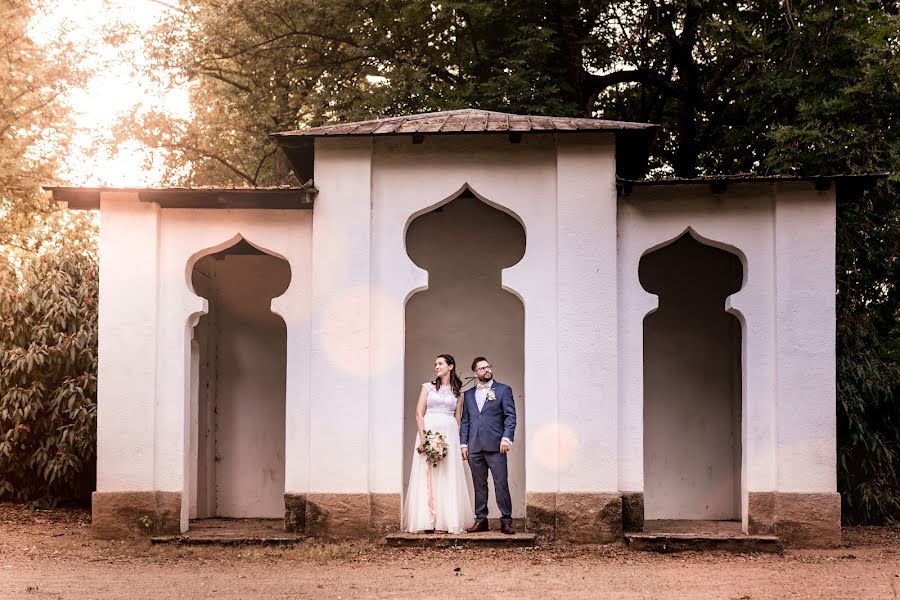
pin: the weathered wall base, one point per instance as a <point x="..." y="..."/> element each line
<point x="131" y="514"/>
<point x="576" y="517"/>
<point x="342" y="516"/>
<point x="385" y="511"/>
<point x="799" y="520"/>
<point x="632" y="511"/>
<point x="295" y="513"/>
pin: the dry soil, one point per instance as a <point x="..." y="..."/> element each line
<point x="54" y="555"/>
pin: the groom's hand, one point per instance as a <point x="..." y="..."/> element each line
<point x="504" y="447"/>
<point x="465" y="453"/>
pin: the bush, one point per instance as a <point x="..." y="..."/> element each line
<point x="48" y="378"/>
<point x="868" y="356"/>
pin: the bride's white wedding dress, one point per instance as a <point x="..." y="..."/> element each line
<point x="438" y="497"/>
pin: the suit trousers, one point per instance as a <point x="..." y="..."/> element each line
<point x="495" y="462"/>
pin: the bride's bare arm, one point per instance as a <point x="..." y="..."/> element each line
<point x="420" y="412"/>
<point x="459" y="406"/>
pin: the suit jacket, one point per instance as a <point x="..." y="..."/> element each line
<point x="483" y="430"/>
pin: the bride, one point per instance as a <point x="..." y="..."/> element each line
<point x="437" y="498"/>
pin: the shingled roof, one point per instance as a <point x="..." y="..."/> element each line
<point x="467" y="120"/>
<point x="632" y="139"/>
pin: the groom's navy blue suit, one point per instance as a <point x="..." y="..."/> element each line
<point x="482" y="432"/>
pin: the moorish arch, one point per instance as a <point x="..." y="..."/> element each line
<point x="464" y="244"/>
<point x="238" y="383"/>
<point x="692" y="381"/>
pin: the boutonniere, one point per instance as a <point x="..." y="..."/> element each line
<point x="491" y="395"/>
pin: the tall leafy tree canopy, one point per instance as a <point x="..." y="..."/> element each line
<point x="34" y="126"/>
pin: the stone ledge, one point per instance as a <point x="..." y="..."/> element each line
<point x="338" y="516"/>
<point x="135" y="514"/>
<point x="233" y="532"/>
<point x="342" y="516"/>
<point x="486" y="539"/>
<point x="576" y="517"/>
<point x="633" y="511"/>
<point x="679" y="542"/>
<point x="799" y="520"/>
<point x="540" y="515"/>
<point x="384" y="514"/>
<point x="295" y="513"/>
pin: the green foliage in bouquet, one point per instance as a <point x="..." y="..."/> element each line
<point x="48" y="377"/>
<point x="434" y="447"/>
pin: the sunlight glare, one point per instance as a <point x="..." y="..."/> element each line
<point x="115" y="90"/>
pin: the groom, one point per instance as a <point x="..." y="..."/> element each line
<point x="485" y="437"/>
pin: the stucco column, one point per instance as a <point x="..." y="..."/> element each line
<point x="635" y="304"/>
<point x="588" y="505"/>
<point x="806" y="508"/>
<point x="294" y="306"/>
<point x="340" y="359"/>
<point x="126" y="501"/>
<point x="396" y="197"/>
<point x="754" y="306"/>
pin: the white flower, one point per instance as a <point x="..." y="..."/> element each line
<point x="491" y="395"/>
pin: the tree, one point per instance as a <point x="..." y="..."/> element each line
<point x="33" y="125"/>
<point x="256" y="66"/>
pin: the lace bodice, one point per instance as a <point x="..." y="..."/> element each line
<point x="440" y="401"/>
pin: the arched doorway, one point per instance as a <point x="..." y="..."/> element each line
<point x="464" y="245"/>
<point x="692" y="383"/>
<point x="238" y="385"/>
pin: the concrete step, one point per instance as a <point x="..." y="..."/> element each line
<point x="679" y="542"/>
<point x="232" y="532"/>
<point x="193" y="540"/>
<point x="484" y="539"/>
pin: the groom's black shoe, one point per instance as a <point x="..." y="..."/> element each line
<point x="507" y="528"/>
<point x="478" y="526"/>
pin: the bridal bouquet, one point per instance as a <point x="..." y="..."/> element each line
<point x="434" y="447"/>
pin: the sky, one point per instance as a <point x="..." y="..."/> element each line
<point x="115" y="90"/>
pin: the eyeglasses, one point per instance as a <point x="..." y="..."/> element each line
<point x="484" y="368"/>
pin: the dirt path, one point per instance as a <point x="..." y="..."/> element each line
<point x="53" y="555"/>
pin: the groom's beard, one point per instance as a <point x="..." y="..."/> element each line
<point x="485" y="380"/>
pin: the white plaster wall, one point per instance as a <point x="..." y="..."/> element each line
<point x="409" y="179"/>
<point x="127" y="325"/>
<point x="466" y="313"/>
<point x="340" y="337"/>
<point x="740" y="221"/>
<point x="185" y="236"/>
<point x="805" y="311"/>
<point x="692" y="384"/>
<point x="249" y="403"/>
<point x="587" y="313"/>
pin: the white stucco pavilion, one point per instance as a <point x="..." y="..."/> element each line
<point x="671" y="343"/>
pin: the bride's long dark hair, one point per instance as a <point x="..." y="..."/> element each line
<point x="455" y="381"/>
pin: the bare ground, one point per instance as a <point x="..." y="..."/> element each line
<point x="53" y="555"/>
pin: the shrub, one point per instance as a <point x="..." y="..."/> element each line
<point x="48" y="378"/>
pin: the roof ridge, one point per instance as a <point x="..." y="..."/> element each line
<point x="435" y="123"/>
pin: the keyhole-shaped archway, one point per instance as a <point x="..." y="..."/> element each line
<point x="238" y="389"/>
<point x="692" y="383"/>
<point x="464" y="245"/>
